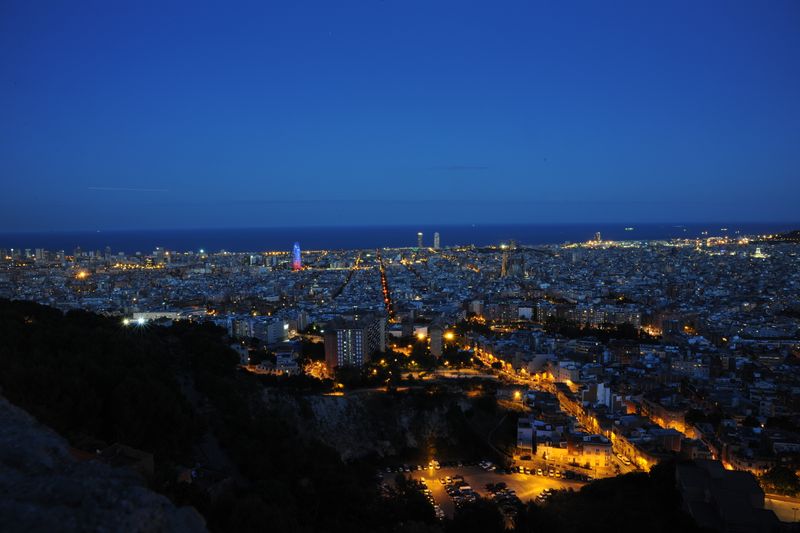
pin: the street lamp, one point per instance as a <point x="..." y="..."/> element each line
<point x="518" y="396"/>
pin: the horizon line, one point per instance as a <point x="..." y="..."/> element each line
<point x="676" y="223"/>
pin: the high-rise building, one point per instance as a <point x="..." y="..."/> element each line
<point x="297" y="263"/>
<point x="598" y="237"/>
<point x="419" y="239"/>
<point x="302" y="321"/>
<point x="352" y="342"/>
<point x="436" y="336"/>
<point x="436" y="242"/>
<point x="263" y="328"/>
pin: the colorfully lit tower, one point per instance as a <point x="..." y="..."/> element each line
<point x="297" y="263"/>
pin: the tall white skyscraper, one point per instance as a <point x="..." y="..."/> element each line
<point x="436" y="241"/>
<point x="419" y="240"/>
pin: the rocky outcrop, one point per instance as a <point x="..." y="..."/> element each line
<point x="43" y="488"/>
<point x="357" y="425"/>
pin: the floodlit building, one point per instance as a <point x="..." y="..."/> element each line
<point x="297" y="262"/>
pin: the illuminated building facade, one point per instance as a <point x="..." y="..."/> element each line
<point x="352" y="342"/>
<point x="297" y="263"/>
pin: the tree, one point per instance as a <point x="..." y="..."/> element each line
<point x="781" y="480"/>
<point x="314" y="351"/>
<point x="534" y="519"/>
<point x="480" y="516"/>
<point x="455" y="357"/>
<point x="408" y="502"/>
<point x="421" y="355"/>
<point x="350" y="376"/>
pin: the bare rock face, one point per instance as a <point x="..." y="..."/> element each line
<point x="42" y="488"/>
<point x="359" y="425"/>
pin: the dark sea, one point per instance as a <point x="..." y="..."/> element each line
<point x="333" y="238"/>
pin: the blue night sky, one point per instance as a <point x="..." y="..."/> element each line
<point x="187" y="114"/>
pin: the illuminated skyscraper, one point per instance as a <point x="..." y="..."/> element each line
<point x="297" y="263"/>
<point x="436" y="241"/>
<point x="419" y="240"/>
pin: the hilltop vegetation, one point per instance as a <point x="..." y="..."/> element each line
<point x="170" y="390"/>
<point x="97" y="382"/>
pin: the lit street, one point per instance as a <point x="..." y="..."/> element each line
<point x="787" y="509"/>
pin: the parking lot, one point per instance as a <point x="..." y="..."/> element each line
<point x="526" y="486"/>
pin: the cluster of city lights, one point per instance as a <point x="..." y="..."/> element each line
<point x="137" y="266"/>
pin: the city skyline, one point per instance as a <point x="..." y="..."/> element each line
<point x="357" y="237"/>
